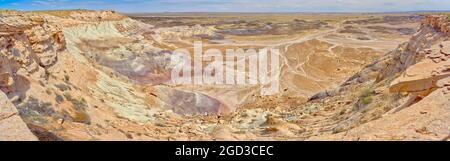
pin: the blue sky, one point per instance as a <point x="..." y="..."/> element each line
<point x="232" y="5"/>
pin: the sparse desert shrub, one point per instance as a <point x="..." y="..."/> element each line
<point x="82" y="117"/>
<point x="310" y="109"/>
<point x="367" y="100"/>
<point x="34" y="110"/>
<point x="80" y="104"/>
<point x="66" y="78"/>
<point x="365" y="110"/>
<point x="34" y="105"/>
<point x="62" y="87"/>
<point x="59" y="98"/>
<point x="366" y="96"/>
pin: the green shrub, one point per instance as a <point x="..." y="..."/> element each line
<point x="367" y="100"/>
<point x="366" y="96"/>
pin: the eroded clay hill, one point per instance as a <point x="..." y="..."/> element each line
<point x="99" y="75"/>
<point x="72" y="74"/>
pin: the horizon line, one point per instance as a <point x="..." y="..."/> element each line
<point x="253" y="12"/>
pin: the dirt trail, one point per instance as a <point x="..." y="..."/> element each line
<point x="299" y="69"/>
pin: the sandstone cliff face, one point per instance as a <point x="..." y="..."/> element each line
<point x="432" y="70"/>
<point x="28" y="46"/>
<point x="434" y="29"/>
<point x="35" y="71"/>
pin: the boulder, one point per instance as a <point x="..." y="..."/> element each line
<point x="12" y="127"/>
<point x="423" y="75"/>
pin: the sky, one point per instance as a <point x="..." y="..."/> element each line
<point x="132" y="6"/>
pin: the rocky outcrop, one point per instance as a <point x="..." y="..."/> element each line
<point x="31" y="44"/>
<point x="417" y="75"/>
<point x="412" y="52"/>
<point x="12" y="128"/>
<point x="426" y="116"/>
<point x="28" y="45"/>
<point x="425" y="120"/>
<point x="432" y="70"/>
<point x="426" y="74"/>
<point x="96" y="16"/>
<point x="439" y="22"/>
